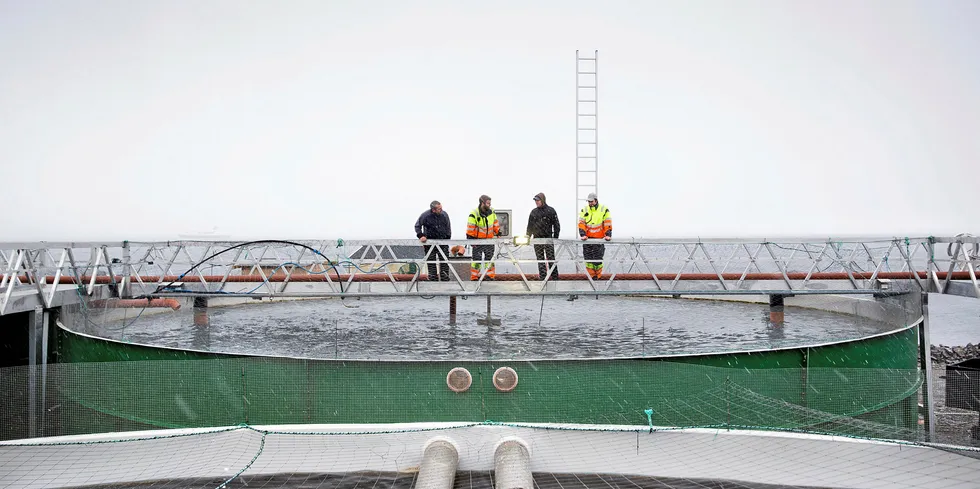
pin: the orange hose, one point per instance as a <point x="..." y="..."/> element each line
<point x="407" y="277"/>
<point x="119" y="303"/>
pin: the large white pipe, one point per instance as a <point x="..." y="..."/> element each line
<point x="512" y="465"/>
<point x="440" y="458"/>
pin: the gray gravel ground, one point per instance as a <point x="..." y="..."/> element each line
<point x="953" y="425"/>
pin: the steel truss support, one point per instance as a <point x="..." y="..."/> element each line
<point x="51" y="274"/>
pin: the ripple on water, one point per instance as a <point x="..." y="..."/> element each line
<point x="413" y="329"/>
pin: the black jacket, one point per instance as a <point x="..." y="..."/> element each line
<point x="433" y="226"/>
<point x="543" y="222"/>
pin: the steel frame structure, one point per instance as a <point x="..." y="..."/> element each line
<point x="51" y="274"/>
<point x="38" y="276"/>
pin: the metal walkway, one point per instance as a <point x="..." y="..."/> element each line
<point x="53" y="274"/>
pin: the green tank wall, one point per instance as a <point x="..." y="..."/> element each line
<point x="866" y="387"/>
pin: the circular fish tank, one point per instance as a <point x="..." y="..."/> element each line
<point x="837" y="364"/>
<point x="583" y="391"/>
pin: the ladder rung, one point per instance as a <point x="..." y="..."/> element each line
<point x="585" y="100"/>
<point x="586" y="115"/>
<point x="586" y="129"/>
<point x="586" y="59"/>
<point x="587" y="86"/>
<point x="586" y="73"/>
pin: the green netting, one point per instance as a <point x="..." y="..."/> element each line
<point x="96" y="397"/>
<point x="865" y="387"/>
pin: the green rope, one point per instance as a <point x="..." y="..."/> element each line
<point x="649" y="428"/>
<point x="376" y="432"/>
<point x="249" y="464"/>
<point x="125" y="440"/>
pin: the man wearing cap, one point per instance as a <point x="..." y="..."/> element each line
<point x="543" y="223"/>
<point x="434" y="224"/>
<point x="594" y="222"/>
<point x="482" y="224"/>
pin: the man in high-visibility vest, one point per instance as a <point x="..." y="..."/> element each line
<point x="594" y="222"/>
<point x="482" y="224"/>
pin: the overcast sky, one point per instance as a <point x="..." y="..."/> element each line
<point x="146" y="120"/>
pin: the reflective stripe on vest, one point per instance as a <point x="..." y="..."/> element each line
<point x="595" y="222"/>
<point x="481" y="227"/>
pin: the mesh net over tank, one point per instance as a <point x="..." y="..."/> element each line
<point x="844" y="412"/>
<point x="559" y="456"/>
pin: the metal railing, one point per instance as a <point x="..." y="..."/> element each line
<point x="48" y="274"/>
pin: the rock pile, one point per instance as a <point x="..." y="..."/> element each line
<point x="954" y="354"/>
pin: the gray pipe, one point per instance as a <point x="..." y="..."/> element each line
<point x="512" y="465"/>
<point x="438" y="467"/>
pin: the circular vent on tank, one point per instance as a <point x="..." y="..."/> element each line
<point x="505" y="379"/>
<point x="459" y="379"/>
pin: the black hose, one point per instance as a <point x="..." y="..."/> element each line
<point x="247" y="243"/>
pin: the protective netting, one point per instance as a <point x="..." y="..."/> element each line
<point x="861" y="387"/>
<point x="100" y="385"/>
<point x="560" y="456"/>
<point x="98" y="397"/>
<point x="956" y="394"/>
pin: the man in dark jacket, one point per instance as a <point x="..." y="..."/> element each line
<point x="543" y="223"/>
<point x="434" y="224"/>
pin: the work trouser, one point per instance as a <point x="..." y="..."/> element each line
<point x="593" y="258"/>
<point x="482" y="258"/>
<point x="545" y="254"/>
<point x="437" y="263"/>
